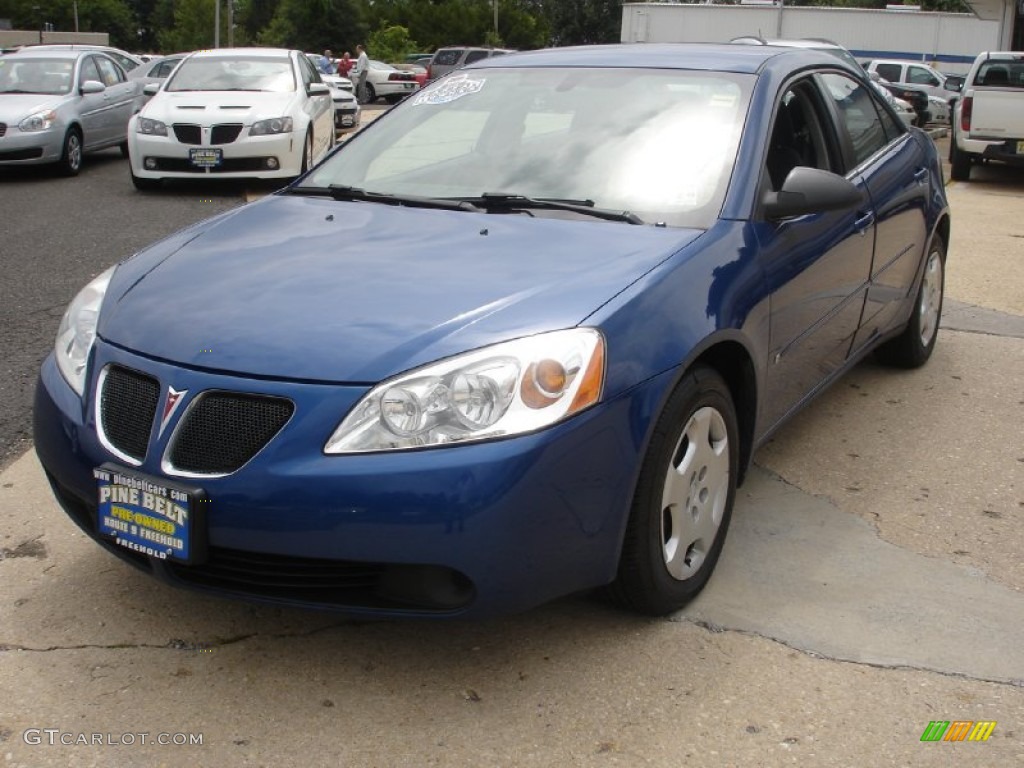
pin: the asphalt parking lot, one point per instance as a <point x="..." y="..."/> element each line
<point x="871" y="583"/>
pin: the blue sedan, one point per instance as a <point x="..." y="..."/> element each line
<point x="519" y="338"/>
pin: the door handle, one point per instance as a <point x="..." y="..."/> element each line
<point x="865" y="221"/>
<point x="920" y="175"/>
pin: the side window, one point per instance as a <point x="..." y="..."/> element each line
<point x="921" y="76"/>
<point x="164" y="68"/>
<point x="123" y="61"/>
<point x="447" y="57"/>
<point x="308" y="71"/>
<point x="475" y="56"/>
<point x="798" y="135"/>
<point x="891" y="123"/>
<point x="890" y="72"/>
<point x="110" y="73"/>
<point x="857" y="114"/>
<point x="89" y="71"/>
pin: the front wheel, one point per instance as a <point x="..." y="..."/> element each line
<point x="913" y="347"/>
<point x="143" y="185"/>
<point x="683" y="500"/>
<point x="371" y="94"/>
<point x="70" y="162"/>
<point x="307" y="152"/>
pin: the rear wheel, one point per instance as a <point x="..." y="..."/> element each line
<point x="913" y="347"/>
<point x="371" y="94"/>
<point x="960" y="162"/>
<point x="684" y="498"/>
<point x="70" y="162"/>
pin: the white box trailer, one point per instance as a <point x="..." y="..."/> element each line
<point x="948" y="41"/>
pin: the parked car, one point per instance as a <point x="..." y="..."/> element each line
<point x="914" y="74"/>
<point x="988" y="121"/>
<point x="420" y="71"/>
<point x="508" y="344"/>
<point x="57" y="104"/>
<point x="127" y="61"/>
<point x="157" y="69"/>
<point x="453" y="57"/>
<point x="347" y="112"/>
<point x="386" y="82"/>
<point x="233" y="113"/>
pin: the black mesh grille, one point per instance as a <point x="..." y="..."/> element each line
<point x="225" y="134"/>
<point x="127" y="407"/>
<point x="3" y="129"/>
<point x="329" y="583"/>
<point x="223" y="430"/>
<point x="229" y="165"/>
<point x="187" y="134"/>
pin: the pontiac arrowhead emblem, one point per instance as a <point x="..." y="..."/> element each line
<point x="174" y="398"/>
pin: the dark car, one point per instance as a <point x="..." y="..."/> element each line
<point x="506" y="343"/>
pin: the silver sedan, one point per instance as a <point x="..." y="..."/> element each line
<point x="56" y="105"/>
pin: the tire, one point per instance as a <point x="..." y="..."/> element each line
<point x="307" y="152"/>
<point x="123" y="146"/>
<point x="913" y="347"/>
<point x="371" y="94"/>
<point x="960" y="162"/>
<point x="70" y="162"/>
<point x="144" y="185"/>
<point x="683" y="500"/>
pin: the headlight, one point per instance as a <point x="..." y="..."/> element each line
<point x="40" y="121"/>
<point x="506" y="389"/>
<point x="77" y="331"/>
<point x="273" y="125"/>
<point x="151" y="127"/>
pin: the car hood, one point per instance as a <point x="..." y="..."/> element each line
<point x="316" y="290"/>
<point x="217" y="106"/>
<point x="15" y="107"/>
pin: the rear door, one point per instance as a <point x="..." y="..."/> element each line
<point x="119" y="98"/>
<point x="892" y="165"/>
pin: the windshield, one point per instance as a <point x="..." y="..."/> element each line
<point x="45" y="76"/>
<point x="658" y="143"/>
<point x="231" y="73"/>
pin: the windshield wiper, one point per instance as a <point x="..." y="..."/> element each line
<point x="342" y="192"/>
<point x="502" y="201"/>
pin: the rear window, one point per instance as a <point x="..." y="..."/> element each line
<point x="476" y="56"/>
<point x="1005" y="73"/>
<point x="890" y="72"/>
<point x="447" y="57"/>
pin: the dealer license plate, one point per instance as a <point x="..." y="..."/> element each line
<point x="1020" y="147"/>
<point x="205" y="158"/>
<point x="149" y="515"/>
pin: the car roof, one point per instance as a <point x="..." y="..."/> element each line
<point x="242" y="53"/>
<point x="55" y="53"/>
<point x="711" y="57"/>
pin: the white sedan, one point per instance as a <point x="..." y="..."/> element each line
<point x="389" y="83"/>
<point x="233" y="113"/>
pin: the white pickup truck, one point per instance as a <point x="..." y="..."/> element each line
<point x="989" y="117"/>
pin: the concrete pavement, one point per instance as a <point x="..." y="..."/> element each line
<point x="871" y="583"/>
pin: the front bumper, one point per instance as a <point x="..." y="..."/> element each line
<point x="346" y="115"/>
<point x="21" y="148"/>
<point x="459" y="531"/>
<point x="277" y="156"/>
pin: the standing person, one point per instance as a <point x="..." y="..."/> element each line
<point x="360" y="71"/>
<point x="345" y="64"/>
<point x="326" y="65"/>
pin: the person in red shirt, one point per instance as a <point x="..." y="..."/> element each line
<point x="345" y="64"/>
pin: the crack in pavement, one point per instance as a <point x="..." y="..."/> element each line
<point x="714" y="628"/>
<point x="176" y="644"/>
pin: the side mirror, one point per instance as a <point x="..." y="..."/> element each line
<point x="810" y="190"/>
<point x="954" y="83"/>
<point x="150" y="89"/>
<point x="92" y="86"/>
<point x="318" y="89"/>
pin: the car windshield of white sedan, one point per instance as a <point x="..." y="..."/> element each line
<point x="43" y="76"/>
<point x="660" y="144"/>
<point x="231" y="73"/>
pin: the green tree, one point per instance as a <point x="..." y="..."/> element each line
<point x="391" y="43"/>
<point x="114" y="17"/>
